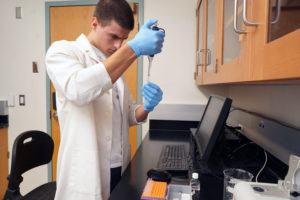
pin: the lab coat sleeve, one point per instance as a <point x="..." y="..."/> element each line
<point x="78" y="83"/>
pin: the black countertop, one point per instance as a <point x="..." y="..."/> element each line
<point x="134" y="178"/>
<point x="233" y="150"/>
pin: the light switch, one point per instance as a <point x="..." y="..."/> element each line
<point x="11" y="100"/>
<point x="22" y="100"/>
<point x="18" y="12"/>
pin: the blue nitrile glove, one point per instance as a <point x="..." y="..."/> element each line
<point x="147" y="41"/>
<point x="152" y="95"/>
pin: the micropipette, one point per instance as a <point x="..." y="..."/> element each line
<point x="150" y="58"/>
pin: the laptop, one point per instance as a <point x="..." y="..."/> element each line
<point x="174" y="158"/>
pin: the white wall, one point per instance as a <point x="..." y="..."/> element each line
<point x="23" y="41"/>
<point x="173" y="69"/>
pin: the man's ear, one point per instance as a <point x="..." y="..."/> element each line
<point x="94" y="23"/>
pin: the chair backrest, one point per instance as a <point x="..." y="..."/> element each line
<point x="31" y="149"/>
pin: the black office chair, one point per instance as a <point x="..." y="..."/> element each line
<point x="31" y="149"/>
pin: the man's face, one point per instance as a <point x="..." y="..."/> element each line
<point x="109" y="38"/>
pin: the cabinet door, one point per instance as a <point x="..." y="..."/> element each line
<point x="209" y="40"/>
<point x="231" y="59"/>
<point x="200" y="42"/>
<point x="277" y="42"/>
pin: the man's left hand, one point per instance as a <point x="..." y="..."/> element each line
<point x="152" y="96"/>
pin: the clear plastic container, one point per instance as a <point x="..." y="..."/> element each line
<point x="195" y="186"/>
<point x="231" y="177"/>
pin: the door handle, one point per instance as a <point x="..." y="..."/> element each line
<point x="55" y="115"/>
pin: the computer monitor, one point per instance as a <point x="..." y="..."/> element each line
<point x="211" y="125"/>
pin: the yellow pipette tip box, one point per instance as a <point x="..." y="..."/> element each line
<point x="155" y="190"/>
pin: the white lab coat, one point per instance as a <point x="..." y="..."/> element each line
<point x="84" y="108"/>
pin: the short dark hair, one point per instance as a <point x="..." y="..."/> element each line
<point x="118" y="10"/>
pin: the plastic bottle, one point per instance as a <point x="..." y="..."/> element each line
<point x="195" y="186"/>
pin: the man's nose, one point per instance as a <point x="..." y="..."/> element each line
<point x="118" y="44"/>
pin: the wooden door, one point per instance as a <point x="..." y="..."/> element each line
<point x="3" y="161"/>
<point x="67" y="23"/>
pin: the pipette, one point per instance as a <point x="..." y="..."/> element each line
<point x="150" y="58"/>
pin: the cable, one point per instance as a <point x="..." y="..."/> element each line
<point x="238" y="148"/>
<point x="266" y="159"/>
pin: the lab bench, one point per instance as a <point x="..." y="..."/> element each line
<point x="249" y="157"/>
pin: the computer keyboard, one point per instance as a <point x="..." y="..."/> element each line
<point x="173" y="158"/>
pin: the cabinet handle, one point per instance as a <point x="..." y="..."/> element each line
<point x="199" y="57"/>
<point x="245" y="16"/>
<point x="278" y="4"/>
<point x="235" y="19"/>
<point x="208" y="57"/>
<point x="198" y="61"/>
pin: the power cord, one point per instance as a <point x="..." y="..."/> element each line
<point x="238" y="148"/>
<point x="264" y="165"/>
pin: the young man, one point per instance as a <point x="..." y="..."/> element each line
<point x="94" y="105"/>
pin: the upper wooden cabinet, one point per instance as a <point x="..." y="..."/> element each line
<point x="277" y="39"/>
<point x="247" y="40"/>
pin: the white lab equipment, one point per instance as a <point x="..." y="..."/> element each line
<point x="286" y="189"/>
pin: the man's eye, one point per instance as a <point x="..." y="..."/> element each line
<point x="115" y="37"/>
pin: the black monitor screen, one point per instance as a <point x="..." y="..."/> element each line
<point x="211" y="124"/>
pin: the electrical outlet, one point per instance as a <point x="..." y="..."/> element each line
<point x="22" y="100"/>
<point x="241" y="126"/>
<point x="19" y="13"/>
<point x="35" y="67"/>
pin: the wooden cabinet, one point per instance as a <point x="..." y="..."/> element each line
<point x="3" y="161"/>
<point x="250" y="40"/>
<point x="277" y="40"/>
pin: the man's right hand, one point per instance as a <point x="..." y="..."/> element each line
<point x="147" y="41"/>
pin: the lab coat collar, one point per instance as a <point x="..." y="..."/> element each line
<point x="86" y="47"/>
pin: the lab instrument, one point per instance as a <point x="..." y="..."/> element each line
<point x="150" y="57"/>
